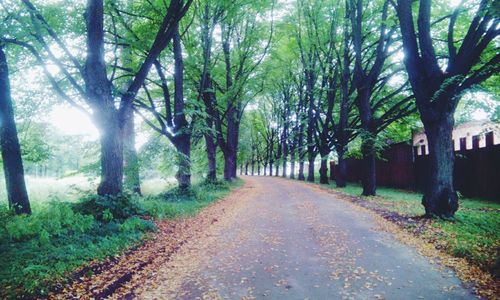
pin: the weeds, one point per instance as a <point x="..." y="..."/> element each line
<point x="178" y="203"/>
<point x="60" y="237"/>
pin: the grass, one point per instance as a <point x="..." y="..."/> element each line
<point x="62" y="236"/>
<point x="175" y="203"/>
<point x="474" y="233"/>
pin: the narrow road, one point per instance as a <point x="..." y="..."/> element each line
<point x="282" y="239"/>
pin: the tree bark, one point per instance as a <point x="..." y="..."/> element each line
<point x="230" y="150"/>
<point x="229" y="165"/>
<point x="369" y="176"/>
<point x="341" y="174"/>
<point x="292" y="163"/>
<point x="131" y="166"/>
<point x="17" y="194"/>
<point x="323" y="170"/>
<point x="182" y="144"/>
<point x="111" y="141"/>
<point x="310" y="167"/>
<point x="440" y="197"/>
<point x="284" y="163"/>
<point x="211" y="157"/>
<point x="301" y="170"/>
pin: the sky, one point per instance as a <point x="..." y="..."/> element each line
<point x="71" y="121"/>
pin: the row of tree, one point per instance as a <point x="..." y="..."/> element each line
<point x="128" y="59"/>
<point x="349" y="71"/>
<point x="318" y="74"/>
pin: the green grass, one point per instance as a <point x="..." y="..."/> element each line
<point x="175" y="203"/>
<point x="62" y="236"/>
<point x="43" y="190"/>
<point x="474" y="233"/>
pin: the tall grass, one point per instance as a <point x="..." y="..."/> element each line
<point x="70" y="227"/>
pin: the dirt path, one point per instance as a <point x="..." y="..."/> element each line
<point x="279" y="239"/>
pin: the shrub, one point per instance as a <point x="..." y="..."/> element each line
<point x="40" y="249"/>
<point x="107" y="208"/>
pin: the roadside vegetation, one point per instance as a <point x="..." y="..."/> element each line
<point x="60" y="237"/>
<point x="474" y="232"/>
<point x="188" y="89"/>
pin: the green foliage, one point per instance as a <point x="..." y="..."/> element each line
<point x="60" y="237"/>
<point x="35" y="148"/>
<point x="43" y="248"/>
<point x="178" y="203"/>
<point x="108" y="208"/>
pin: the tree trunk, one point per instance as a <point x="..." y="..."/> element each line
<point x="277" y="173"/>
<point x="246" y="168"/>
<point x="323" y="170"/>
<point x="131" y="161"/>
<point x="229" y="165"/>
<point x="292" y="164"/>
<point x="369" y="176"/>
<point x="310" y="167"/>
<point x="11" y="150"/>
<point x="284" y="164"/>
<point x="100" y="97"/>
<point x="111" y="153"/>
<point x="270" y="168"/>
<point x="232" y="144"/>
<point x="301" y="170"/>
<point x="265" y="169"/>
<point x="211" y="154"/>
<point x="440" y="197"/>
<point x="258" y="168"/>
<point x="182" y="144"/>
<point x="253" y="167"/>
<point x="341" y="174"/>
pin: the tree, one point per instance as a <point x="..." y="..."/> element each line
<point x="173" y="123"/>
<point x="379" y="104"/>
<point x="240" y="40"/>
<point x="309" y="60"/>
<point x="131" y="165"/>
<point x="343" y="129"/>
<point x="98" y="89"/>
<point x="9" y="143"/>
<point x="439" y="76"/>
<point x="208" y="20"/>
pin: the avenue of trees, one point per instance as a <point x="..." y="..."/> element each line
<point x="265" y="86"/>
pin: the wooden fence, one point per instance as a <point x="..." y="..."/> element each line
<point x="476" y="174"/>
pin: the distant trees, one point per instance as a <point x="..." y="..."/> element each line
<point x="244" y="41"/>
